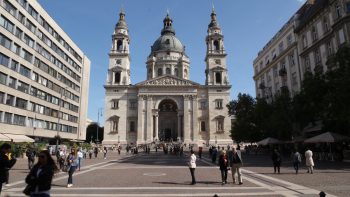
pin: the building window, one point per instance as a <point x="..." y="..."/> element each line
<point x="203" y="105"/>
<point x="289" y="39"/>
<point x="185" y="73"/>
<point x="23" y="87"/>
<point x="115" y="104"/>
<point x="21" y="103"/>
<point x="317" y="57"/>
<point x="132" y="126"/>
<point x="281" y="47"/>
<point x="30" y="26"/>
<point x="341" y="36"/>
<point x="307" y="64"/>
<point x="304" y="41"/>
<point x="216" y="45"/>
<point x="5" y="42"/>
<point x="4" y="60"/>
<point x="6" y="24"/>
<point x="12" y="82"/>
<point x="2" y="97"/>
<point x="325" y="25"/>
<point x="117" y="77"/>
<point x="24" y="71"/>
<point x="33" y="12"/>
<point x="314" y="33"/>
<point x="133" y="104"/>
<point x="218" y="104"/>
<point x="160" y="72"/>
<point x="29" y="41"/>
<point x="218" y="77"/>
<point x="9" y="7"/>
<point x="10" y="100"/>
<point x="338" y="11"/>
<point x="18" y="33"/>
<point x="203" y="126"/>
<point x="19" y="120"/>
<point x="220" y="124"/>
<point x="8" y="118"/>
<point x="3" y="78"/>
<point x="114" y="124"/>
<point x="119" y="45"/>
<point x="26" y="55"/>
<point x="176" y="71"/>
<point x="329" y="48"/>
<point x="291" y="60"/>
<point x="168" y="71"/>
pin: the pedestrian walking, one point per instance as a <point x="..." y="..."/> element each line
<point x="309" y="161"/>
<point x="30" y="154"/>
<point x="214" y="155"/>
<point x="61" y="158"/>
<point x="119" y="149"/>
<point x="200" y="151"/>
<point x="105" y="152"/>
<point x="72" y="162"/>
<point x="236" y="162"/>
<point x="296" y="161"/>
<point x="192" y="165"/>
<point x="96" y="152"/>
<point x="90" y="153"/>
<point x="277" y="160"/>
<point x="80" y="158"/>
<point x="6" y="163"/>
<point x="40" y="177"/>
<point x="223" y="163"/>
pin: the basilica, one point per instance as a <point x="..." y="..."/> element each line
<point x="167" y="106"/>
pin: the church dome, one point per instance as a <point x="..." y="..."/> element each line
<point x="168" y="41"/>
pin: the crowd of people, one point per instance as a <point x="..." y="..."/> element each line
<point x="228" y="158"/>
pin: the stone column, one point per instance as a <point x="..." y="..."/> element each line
<point x="195" y="119"/>
<point x="140" y="130"/>
<point x="156" y="127"/>
<point x="187" y="129"/>
<point x="179" y="126"/>
<point x="149" y="119"/>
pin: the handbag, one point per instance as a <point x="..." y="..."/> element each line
<point x="65" y="168"/>
<point x="27" y="190"/>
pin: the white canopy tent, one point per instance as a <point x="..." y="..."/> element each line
<point x="268" y="141"/>
<point x="18" y="138"/>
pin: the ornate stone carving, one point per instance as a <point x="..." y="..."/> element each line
<point x="168" y="81"/>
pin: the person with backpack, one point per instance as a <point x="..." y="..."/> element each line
<point x="40" y="176"/>
<point x="6" y="163"/>
<point x="296" y="161"/>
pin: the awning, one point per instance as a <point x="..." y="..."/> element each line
<point x="4" y="138"/>
<point x="18" y="138"/>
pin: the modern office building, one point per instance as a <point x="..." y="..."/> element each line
<point x="167" y="105"/>
<point x="305" y="43"/>
<point x="44" y="76"/>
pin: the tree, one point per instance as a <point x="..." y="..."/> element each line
<point x="244" y="128"/>
<point x="91" y="134"/>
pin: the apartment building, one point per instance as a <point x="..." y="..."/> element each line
<point x="311" y="36"/>
<point x="44" y="76"/>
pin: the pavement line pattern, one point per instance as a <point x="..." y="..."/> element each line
<point x="289" y="190"/>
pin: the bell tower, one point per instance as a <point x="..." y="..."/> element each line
<point x="216" y="70"/>
<point x="119" y="56"/>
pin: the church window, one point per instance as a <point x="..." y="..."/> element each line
<point x="132" y="126"/>
<point x="115" y="104"/>
<point x="133" y="104"/>
<point x="218" y="104"/>
<point x="160" y="72"/>
<point x="119" y="45"/>
<point x="168" y="71"/>
<point x="176" y="72"/>
<point x="203" y="126"/>
<point x="114" y="126"/>
<point x="203" y="105"/>
<point x="218" y="77"/>
<point x="117" y="77"/>
<point x="216" y="45"/>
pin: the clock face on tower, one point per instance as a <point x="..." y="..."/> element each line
<point x="118" y="61"/>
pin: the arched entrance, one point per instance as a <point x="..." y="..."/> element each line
<point x="168" y="120"/>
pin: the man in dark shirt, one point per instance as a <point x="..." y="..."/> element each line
<point x="236" y="164"/>
<point x="5" y="163"/>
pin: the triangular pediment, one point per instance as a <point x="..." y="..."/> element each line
<point x="167" y="80"/>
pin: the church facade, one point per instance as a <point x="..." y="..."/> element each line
<point x="168" y="105"/>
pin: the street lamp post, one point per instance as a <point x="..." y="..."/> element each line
<point x="99" y="113"/>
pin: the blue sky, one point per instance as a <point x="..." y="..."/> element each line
<point x="247" y="26"/>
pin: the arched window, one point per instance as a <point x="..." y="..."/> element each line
<point x="176" y="72"/>
<point x="117" y="77"/>
<point x="168" y="71"/>
<point x="218" y="77"/>
<point x="160" y="72"/>
<point x="114" y="123"/>
<point x="185" y="73"/>
<point x="203" y="126"/>
<point x="216" y="45"/>
<point x="119" y="45"/>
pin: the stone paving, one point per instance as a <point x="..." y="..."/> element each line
<point x="157" y="174"/>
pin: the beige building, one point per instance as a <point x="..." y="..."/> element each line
<point x="44" y="76"/>
<point x="304" y="43"/>
<point x="167" y="105"/>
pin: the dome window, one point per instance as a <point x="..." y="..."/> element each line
<point x="167" y="41"/>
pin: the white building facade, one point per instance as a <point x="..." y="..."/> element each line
<point x="168" y="105"/>
<point x="44" y="76"/>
